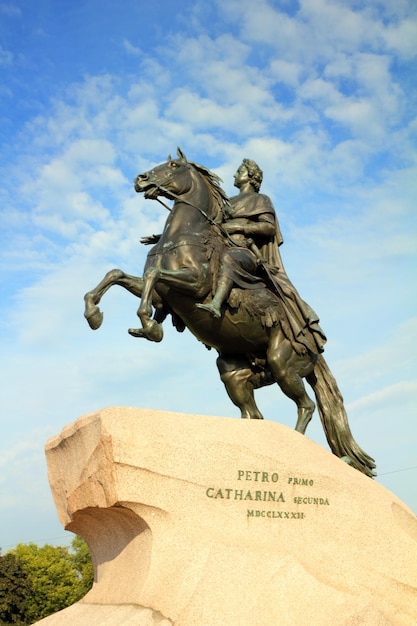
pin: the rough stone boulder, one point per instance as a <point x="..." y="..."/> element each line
<point x="196" y="520"/>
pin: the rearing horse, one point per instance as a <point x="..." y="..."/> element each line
<point x="252" y="352"/>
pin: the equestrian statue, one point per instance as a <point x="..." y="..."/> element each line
<point x="216" y="269"/>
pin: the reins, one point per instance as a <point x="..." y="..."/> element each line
<point x="203" y="213"/>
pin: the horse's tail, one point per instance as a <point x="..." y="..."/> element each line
<point x="334" y="419"/>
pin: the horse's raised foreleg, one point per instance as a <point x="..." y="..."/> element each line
<point x="289" y="369"/>
<point x="151" y="329"/>
<point x="185" y="279"/>
<point x="133" y="284"/>
<point x="92" y="313"/>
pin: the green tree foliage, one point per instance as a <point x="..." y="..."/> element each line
<point x="15" y="587"/>
<point x="81" y="560"/>
<point x="38" y="581"/>
<point x="54" y="580"/>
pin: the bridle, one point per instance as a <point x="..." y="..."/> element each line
<point x="210" y="220"/>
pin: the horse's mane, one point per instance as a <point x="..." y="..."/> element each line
<point x="220" y="198"/>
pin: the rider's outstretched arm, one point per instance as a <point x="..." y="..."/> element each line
<point x="149" y="240"/>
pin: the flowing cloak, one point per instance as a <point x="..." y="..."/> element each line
<point x="300" y="323"/>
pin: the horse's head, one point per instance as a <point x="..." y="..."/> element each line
<point x="170" y="179"/>
<point x="178" y="177"/>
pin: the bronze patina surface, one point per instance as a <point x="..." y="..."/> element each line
<point x="216" y="269"/>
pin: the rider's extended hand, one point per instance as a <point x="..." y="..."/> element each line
<point x="150" y="239"/>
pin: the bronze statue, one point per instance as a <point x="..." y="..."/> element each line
<point x="216" y="270"/>
<point x="253" y="229"/>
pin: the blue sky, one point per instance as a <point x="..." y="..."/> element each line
<point x="321" y="93"/>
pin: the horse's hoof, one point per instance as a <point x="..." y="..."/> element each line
<point x="304" y="417"/>
<point x="153" y="331"/>
<point x="95" y="319"/>
<point x="136" y="332"/>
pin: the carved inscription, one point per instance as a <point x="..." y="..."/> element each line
<point x="294" y="495"/>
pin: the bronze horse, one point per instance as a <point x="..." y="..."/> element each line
<point x="253" y="350"/>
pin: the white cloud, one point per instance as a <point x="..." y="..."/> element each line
<point x="19" y="459"/>
<point x="266" y="25"/>
<point x="11" y="10"/>
<point x="287" y="72"/>
<point x="341" y="44"/>
<point x="388" y="398"/>
<point x="6" y="57"/>
<point x="197" y="113"/>
<point x="333" y="26"/>
<point x="401" y="37"/>
<point x="130" y="48"/>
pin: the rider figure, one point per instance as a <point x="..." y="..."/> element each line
<point x="253" y="227"/>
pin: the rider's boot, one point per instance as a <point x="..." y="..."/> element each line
<point x="223" y="290"/>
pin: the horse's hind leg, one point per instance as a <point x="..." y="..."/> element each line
<point x="238" y="378"/>
<point x="289" y="369"/>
